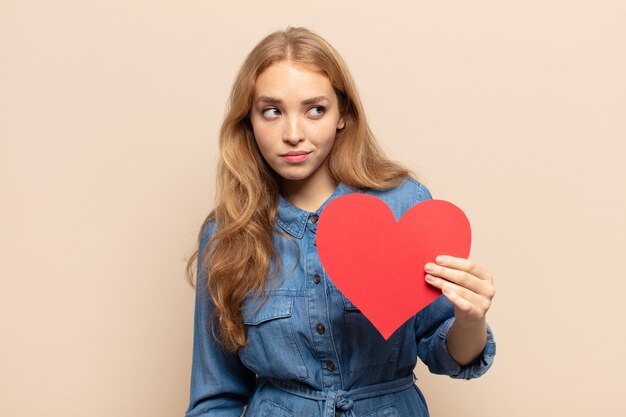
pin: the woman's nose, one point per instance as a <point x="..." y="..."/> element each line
<point x="293" y="131"/>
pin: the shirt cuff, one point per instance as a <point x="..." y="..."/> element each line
<point x="474" y="369"/>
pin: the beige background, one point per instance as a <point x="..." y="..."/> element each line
<point x="109" y="111"/>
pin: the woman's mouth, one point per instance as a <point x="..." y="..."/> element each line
<point x="295" y="156"/>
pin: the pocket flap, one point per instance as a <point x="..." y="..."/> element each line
<point x="276" y="307"/>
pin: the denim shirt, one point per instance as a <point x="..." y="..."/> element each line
<point x="310" y="351"/>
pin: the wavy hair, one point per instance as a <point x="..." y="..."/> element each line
<point x="238" y="256"/>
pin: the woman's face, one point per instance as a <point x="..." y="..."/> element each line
<point x="295" y="116"/>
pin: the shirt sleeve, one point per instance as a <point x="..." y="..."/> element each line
<point x="220" y="383"/>
<point x="432" y="326"/>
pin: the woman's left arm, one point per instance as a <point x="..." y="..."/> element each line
<point x="469" y="287"/>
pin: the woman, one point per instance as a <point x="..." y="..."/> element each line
<point x="273" y="335"/>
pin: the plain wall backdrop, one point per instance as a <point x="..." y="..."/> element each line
<point x="109" y="112"/>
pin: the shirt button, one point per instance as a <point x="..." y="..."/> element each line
<point x="330" y="366"/>
<point x="314" y="218"/>
<point x="320" y="328"/>
<point x="316" y="279"/>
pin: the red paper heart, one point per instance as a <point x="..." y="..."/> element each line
<point x="378" y="262"/>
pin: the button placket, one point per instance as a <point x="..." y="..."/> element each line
<point x="318" y="310"/>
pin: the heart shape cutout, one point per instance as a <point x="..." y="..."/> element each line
<point x="378" y="262"/>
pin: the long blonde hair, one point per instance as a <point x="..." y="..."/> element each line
<point x="237" y="259"/>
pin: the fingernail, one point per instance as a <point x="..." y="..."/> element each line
<point x="440" y="259"/>
<point x="429" y="267"/>
<point x="430" y="278"/>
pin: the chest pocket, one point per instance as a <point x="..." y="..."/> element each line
<point x="272" y="350"/>
<point x="373" y="350"/>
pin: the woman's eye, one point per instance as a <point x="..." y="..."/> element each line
<point x="316" y="112"/>
<point x="271" y="113"/>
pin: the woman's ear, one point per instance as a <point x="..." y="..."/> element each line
<point x="341" y="123"/>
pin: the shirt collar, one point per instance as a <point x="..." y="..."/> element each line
<point x="293" y="219"/>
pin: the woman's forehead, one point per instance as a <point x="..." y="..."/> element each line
<point x="286" y="80"/>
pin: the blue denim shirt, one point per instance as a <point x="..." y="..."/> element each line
<point x="310" y="351"/>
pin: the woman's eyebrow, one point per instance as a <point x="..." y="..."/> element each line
<point x="274" y="100"/>
<point x="268" y="99"/>
<point x="315" y="100"/>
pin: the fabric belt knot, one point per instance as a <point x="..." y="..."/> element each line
<point x="336" y="400"/>
<point x="342" y="403"/>
<point x="343" y="400"/>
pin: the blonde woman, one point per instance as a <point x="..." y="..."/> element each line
<point x="273" y="335"/>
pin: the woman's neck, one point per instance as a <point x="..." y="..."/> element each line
<point x="310" y="193"/>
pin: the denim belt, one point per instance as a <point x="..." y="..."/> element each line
<point x="344" y="400"/>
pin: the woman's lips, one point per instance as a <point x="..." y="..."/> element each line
<point x="295" y="157"/>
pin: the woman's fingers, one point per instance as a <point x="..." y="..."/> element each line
<point x="459" y="302"/>
<point x="469" y="307"/>
<point x="466" y="284"/>
<point x="464" y="273"/>
<point x="449" y="288"/>
<point x="465" y="265"/>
